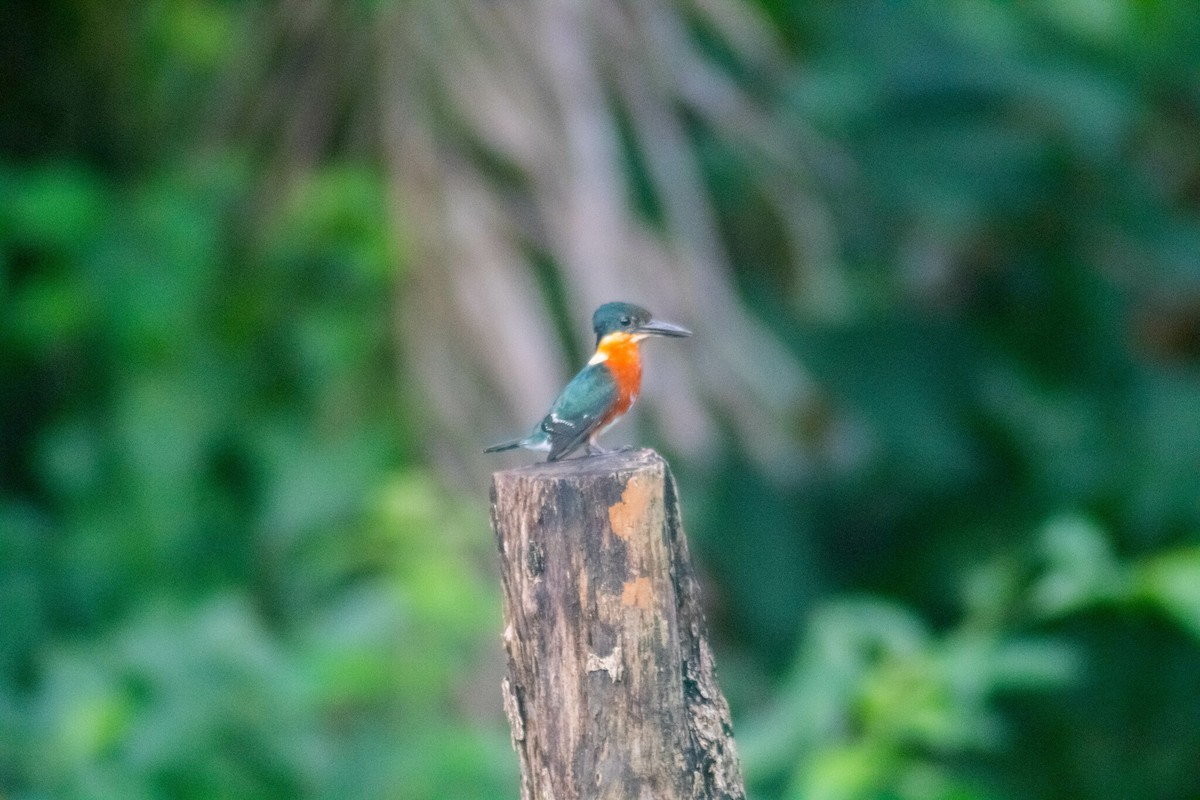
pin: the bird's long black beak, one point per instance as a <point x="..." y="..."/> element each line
<point x="657" y="327"/>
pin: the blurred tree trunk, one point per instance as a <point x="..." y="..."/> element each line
<point x="516" y="133"/>
<point x="545" y="156"/>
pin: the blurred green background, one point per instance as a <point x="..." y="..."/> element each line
<point x="271" y="274"/>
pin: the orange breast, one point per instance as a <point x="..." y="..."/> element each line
<point x="622" y="358"/>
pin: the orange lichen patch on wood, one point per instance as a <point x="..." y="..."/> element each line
<point x="625" y="514"/>
<point x="638" y="593"/>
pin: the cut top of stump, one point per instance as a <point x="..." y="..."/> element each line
<point x="609" y="464"/>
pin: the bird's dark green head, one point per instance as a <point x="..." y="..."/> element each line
<point x="630" y="319"/>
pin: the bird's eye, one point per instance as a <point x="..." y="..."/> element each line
<point x="626" y="321"/>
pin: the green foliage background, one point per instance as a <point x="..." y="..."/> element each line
<point x="228" y="568"/>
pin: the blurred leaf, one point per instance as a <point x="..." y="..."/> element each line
<point x="1172" y="582"/>
<point x="198" y="32"/>
<point x="58" y="208"/>
<point x="338" y="214"/>
<point x="1081" y="568"/>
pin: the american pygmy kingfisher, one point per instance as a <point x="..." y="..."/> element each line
<point x="603" y="390"/>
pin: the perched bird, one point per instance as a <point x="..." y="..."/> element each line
<point x="603" y="390"/>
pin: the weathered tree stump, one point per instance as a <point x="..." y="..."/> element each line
<point x="611" y="691"/>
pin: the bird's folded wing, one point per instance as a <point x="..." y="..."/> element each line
<point x="580" y="410"/>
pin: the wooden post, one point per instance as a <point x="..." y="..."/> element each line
<point x="611" y="691"/>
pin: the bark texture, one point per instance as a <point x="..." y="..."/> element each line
<point x="611" y="689"/>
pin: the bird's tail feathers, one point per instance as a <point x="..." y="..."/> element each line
<point x="510" y="445"/>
